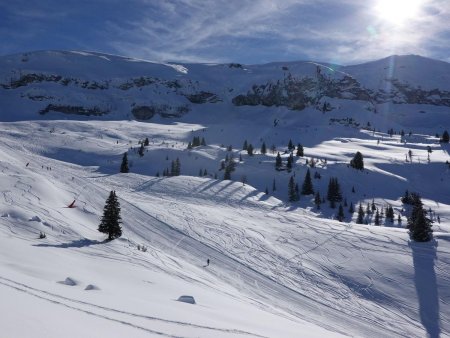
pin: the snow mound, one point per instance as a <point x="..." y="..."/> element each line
<point x="186" y="299"/>
<point x="69" y="281"/>
<point x="35" y="219"/>
<point x="91" y="287"/>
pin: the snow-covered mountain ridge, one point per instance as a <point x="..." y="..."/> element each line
<point x="94" y="84"/>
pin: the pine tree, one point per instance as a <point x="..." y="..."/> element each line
<point x="291" y="190"/>
<point x="266" y="191"/>
<point x="146" y="142"/>
<point x="244" y="147"/>
<point x="203" y="143"/>
<point x="289" y="162"/>
<point x="141" y="150"/>
<point x="263" y="148"/>
<point x="317" y="200"/>
<point x="227" y="173"/>
<point x="299" y="150"/>
<point x="351" y="209"/>
<point x="278" y="162"/>
<point x="373" y="205"/>
<point x="307" y="187"/>
<point x="360" y="218"/>
<point x="178" y="167"/>
<point x="124" y="166"/>
<point x="250" y="150"/>
<point x="445" y="137"/>
<point x="290" y="145"/>
<point x="418" y="224"/>
<point x="357" y="162"/>
<point x="334" y="192"/>
<point x="377" y="217"/>
<point x="390" y="213"/>
<point x="406" y="199"/>
<point x="110" y="222"/>
<point x="340" y="214"/>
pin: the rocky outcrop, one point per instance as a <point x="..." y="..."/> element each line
<point x="73" y="110"/>
<point x="166" y="111"/>
<point x="202" y="97"/>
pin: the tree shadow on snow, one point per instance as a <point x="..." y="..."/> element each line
<point x="80" y="243"/>
<point x="424" y="255"/>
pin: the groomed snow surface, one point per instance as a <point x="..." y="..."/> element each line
<point x="277" y="269"/>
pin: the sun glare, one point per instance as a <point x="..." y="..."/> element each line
<point x="397" y="12"/>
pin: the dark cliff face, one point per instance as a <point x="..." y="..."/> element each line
<point x="299" y="93"/>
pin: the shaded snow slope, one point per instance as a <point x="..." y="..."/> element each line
<point x="277" y="269"/>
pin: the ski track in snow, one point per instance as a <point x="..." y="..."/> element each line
<point x="65" y="301"/>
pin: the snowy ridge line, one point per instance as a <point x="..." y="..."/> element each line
<point x="266" y="285"/>
<point x="29" y="290"/>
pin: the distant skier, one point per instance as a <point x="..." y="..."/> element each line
<point x="27" y="164"/>
<point x="207" y="263"/>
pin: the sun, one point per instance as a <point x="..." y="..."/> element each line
<point x="397" y="12"/>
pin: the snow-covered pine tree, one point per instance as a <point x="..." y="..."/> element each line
<point x="110" y="222"/>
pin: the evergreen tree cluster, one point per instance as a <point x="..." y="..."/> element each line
<point x="175" y="169"/>
<point x="334" y="193"/>
<point x="111" y="219"/>
<point x="229" y="165"/>
<point x="419" y="225"/>
<point x="196" y="142"/>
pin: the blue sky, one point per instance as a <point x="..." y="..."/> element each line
<point x="250" y="32"/>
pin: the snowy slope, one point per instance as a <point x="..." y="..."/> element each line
<point x="276" y="269"/>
